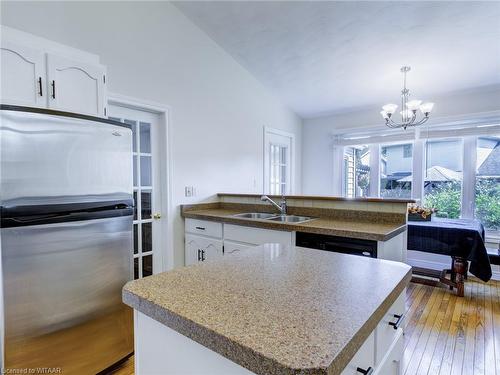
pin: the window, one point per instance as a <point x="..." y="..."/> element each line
<point x="443" y="177"/>
<point x="396" y="171"/>
<point x="357" y="171"/>
<point x="487" y="184"/>
<point x="278" y="169"/>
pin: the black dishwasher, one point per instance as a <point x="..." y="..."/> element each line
<point x="354" y="246"/>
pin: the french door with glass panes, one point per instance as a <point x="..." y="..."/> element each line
<point x="278" y="161"/>
<point x="147" y="189"/>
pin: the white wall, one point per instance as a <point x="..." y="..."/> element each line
<point x="153" y="52"/>
<point x="317" y="151"/>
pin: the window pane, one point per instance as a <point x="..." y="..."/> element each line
<point x="147" y="265"/>
<point x="396" y="171"/>
<point x="136" y="239"/>
<point x="357" y="171"/>
<point x="136" y="268"/>
<point x="349" y="184"/>
<point x="147" y="244"/>
<point x="145" y="136"/>
<point x="488" y="182"/>
<point x="146" y="171"/>
<point x="146" y="205"/>
<point x="135" y="205"/>
<point x="443" y="177"/>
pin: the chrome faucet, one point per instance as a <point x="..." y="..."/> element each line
<point x="281" y="207"/>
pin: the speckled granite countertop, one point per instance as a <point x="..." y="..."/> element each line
<point x="275" y="309"/>
<point x="370" y="230"/>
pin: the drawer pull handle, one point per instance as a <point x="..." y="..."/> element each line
<point x="368" y="371"/>
<point x="200" y="228"/>
<point x="397" y="323"/>
<point x="199" y="255"/>
<point x="53" y="84"/>
<point x="40" y="92"/>
<point x="203" y="255"/>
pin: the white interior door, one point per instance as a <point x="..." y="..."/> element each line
<point x="149" y="243"/>
<point x="279" y="148"/>
<point x="22" y="75"/>
<point x="75" y="86"/>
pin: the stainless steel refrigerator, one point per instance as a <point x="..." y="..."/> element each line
<point x="66" y="240"/>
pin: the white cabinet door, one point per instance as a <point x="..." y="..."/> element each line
<point x="22" y="75"/>
<point x="200" y="249"/>
<point x="363" y="359"/>
<point x="235" y="247"/>
<point x="75" y="87"/>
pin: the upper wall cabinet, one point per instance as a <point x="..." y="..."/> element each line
<point x="37" y="78"/>
<point x="23" y="74"/>
<point x="75" y="86"/>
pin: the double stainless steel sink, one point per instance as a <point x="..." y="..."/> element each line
<point x="274" y="217"/>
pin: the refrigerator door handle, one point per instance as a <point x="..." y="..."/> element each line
<point x="42" y="219"/>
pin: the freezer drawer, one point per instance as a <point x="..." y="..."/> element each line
<point x="62" y="294"/>
<point x="60" y="159"/>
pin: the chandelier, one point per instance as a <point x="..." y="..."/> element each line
<point x="409" y="108"/>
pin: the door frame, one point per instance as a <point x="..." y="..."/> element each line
<point x="165" y="166"/>
<point x="268" y="131"/>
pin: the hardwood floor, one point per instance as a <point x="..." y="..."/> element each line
<point x="444" y="334"/>
<point x="449" y="335"/>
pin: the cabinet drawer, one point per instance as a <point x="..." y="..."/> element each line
<point x="235" y="247"/>
<point x="256" y="236"/>
<point x="204" y="227"/>
<point x="363" y="359"/>
<point x="386" y="331"/>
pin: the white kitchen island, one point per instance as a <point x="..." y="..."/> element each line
<point x="271" y="310"/>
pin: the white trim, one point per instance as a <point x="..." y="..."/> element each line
<point x="469" y="155"/>
<point x="166" y="168"/>
<point x="418" y="168"/>
<point x="374" y="190"/>
<point x="267" y="131"/>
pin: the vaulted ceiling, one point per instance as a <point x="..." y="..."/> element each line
<point x="322" y="57"/>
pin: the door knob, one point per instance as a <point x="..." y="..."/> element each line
<point x="157" y="216"/>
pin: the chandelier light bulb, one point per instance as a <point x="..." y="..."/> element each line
<point x="384" y="114"/>
<point x="390" y="108"/>
<point x="413" y="105"/>
<point x="426" y="108"/>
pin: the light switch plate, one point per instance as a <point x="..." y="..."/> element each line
<point x="188" y="191"/>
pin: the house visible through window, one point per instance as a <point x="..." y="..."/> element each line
<point x="461" y="175"/>
<point x="396" y="171"/>
<point x="487" y="189"/>
<point x="443" y="177"/>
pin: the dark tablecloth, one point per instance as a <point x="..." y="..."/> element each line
<point x="454" y="237"/>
